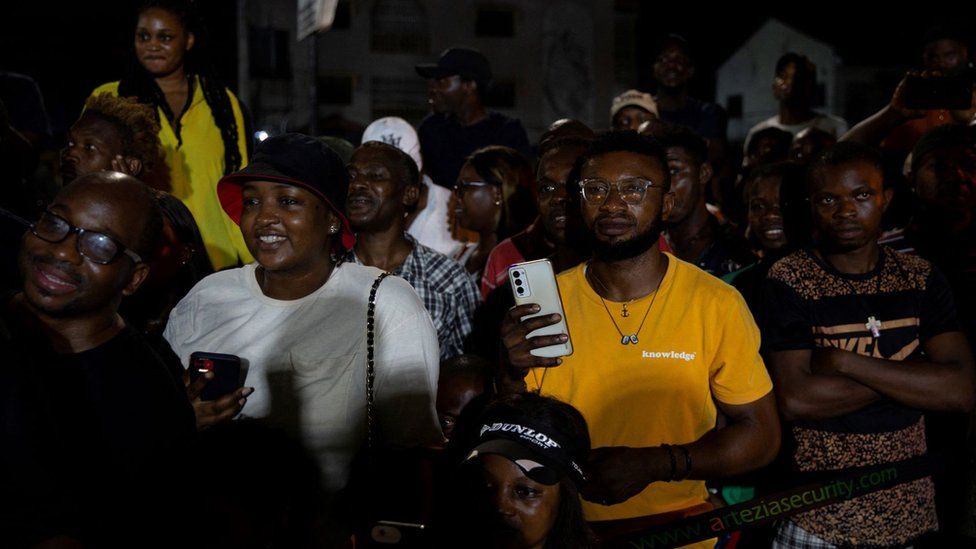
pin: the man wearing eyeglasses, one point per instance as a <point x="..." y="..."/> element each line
<point x="659" y="347"/>
<point x="105" y="407"/>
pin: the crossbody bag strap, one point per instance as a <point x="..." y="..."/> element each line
<point x="370" y="364"/>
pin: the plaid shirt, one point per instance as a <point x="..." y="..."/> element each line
<point x="448" y="292"/>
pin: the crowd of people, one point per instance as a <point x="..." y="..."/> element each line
<point x="303" y="342"/>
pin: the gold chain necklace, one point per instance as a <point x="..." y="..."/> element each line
<point x="625" y="339"/>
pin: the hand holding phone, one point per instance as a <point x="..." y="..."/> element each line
<point x="226" y="370"/>
<point x="535" y="282"/>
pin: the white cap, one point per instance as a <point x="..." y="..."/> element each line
<point x="395" y="131"/>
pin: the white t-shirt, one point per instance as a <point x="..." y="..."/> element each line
<point x="306" y="358"/>
<point x="431" y="227"/>
<point x="829" y="123"/>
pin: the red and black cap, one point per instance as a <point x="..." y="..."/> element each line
<point x="538" y="448"/>
<point x="294" y="159"/>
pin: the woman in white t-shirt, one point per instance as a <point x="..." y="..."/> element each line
<point x="297" y="316"/>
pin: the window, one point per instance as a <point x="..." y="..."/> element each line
<point x="334" y="89"/>
<point x="399" y="26"/>
<point x="403" y="97"/>
<point x="495" y="21"/>
<point x="268" y="53"/>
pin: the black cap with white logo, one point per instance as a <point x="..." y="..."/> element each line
<point x="542" y="452"/>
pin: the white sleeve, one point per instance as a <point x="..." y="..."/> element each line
<point x="179" y="328"/>
<point x="406" y="365"/>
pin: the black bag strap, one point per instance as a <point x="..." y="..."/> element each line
<point x="370" y="371"/>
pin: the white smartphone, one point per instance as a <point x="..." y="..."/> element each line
<point x="535" y="282"/>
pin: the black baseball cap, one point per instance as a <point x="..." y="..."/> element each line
<point x="468" y="63"/>
<point x="294" y="159"/>
<point x="541" y="450"/>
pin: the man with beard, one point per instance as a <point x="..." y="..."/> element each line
<point x="383" y="183"/>
<point x="659" y="347"/>
<point x="88" y="433"/>
<point x="860" y="340"/>
<point x="459" y="123"/>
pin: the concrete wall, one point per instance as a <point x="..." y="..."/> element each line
<point x="560" y="60"/>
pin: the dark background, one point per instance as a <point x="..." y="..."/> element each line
<point x="70" y="48"/>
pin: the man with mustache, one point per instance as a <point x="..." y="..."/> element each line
<point x="383" y="183"/>
<point x="97" y="408"/>
<point x="459" y="123"/>
<point x="860" y="340"/>
<point x="659" y="347"/>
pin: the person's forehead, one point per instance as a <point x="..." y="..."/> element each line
<point x="674" y="52"/>
<point x="623" y="162"/>
<point x="854" y="173"/>
<point x="93" y="125"/>
<point x="159" y="18"/>
<point x="678" y="153"/>
<point x="98" y="208"/>
<point x="375" y="157"/>
<point x="765" y="185"/>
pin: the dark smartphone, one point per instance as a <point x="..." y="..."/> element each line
<point x="226" y="370"/>
<point x="404" y="534"/>
<point x="939" y="92"/>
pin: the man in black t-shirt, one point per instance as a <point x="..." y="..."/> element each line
<point x="92" y="412"/>
<point x="460" y="124"/>
<point x="860" y="339"/>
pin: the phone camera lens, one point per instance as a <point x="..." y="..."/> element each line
<point x="518" y="282"/>
<point x="516" y="274"/>
<point x="521" y="290"/>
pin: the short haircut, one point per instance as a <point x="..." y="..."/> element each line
<point x="136" y="123"/>
<point x="675" y="39"/>
<point x="674" y="136"/>
<point x="152" y="232"/>
<point x="405" y="165"/>
<point x="942" y="137"/>
<point x="782" y="139"/>
<point x="789" y="172"/>
<point x="562" y="143"/>
<point x="945" y="32"/>
<point x="620" y="141"/>
<point x="845" y="152"/>
<point x="801" y="62"/>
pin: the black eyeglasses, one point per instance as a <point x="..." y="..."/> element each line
<point x="631" y="189"/>
<point x="96" y="247"/>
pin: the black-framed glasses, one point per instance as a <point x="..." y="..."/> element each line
<point x="96" y="247"/>
<point x="630" y="189"/>
<point x="461" y="187"/>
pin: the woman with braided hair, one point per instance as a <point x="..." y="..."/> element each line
<point x="202" y="127"/>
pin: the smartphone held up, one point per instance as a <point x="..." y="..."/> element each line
<point x="535" y="282"/>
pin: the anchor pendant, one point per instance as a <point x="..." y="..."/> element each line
<point x="629" y="339"/>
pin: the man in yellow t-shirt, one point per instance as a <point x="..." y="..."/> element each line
<point x="659" y="347"/>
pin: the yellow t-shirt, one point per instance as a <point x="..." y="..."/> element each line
<point x="699" y="343"/>
<point x="195" y="166"/>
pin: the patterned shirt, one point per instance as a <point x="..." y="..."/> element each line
<point x="448" y="293"/>
<point x="809" y="304"/>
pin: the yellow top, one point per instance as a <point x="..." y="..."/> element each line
<point x="699" y="343"/>
<point x="195" y="166"/>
